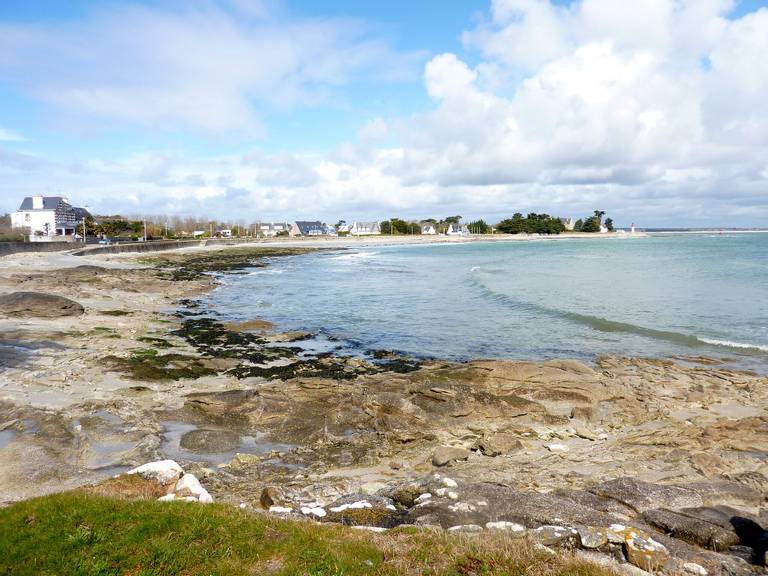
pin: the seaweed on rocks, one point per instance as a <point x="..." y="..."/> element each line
<point x="258" y="357"/>
<point x="178" y="267"/>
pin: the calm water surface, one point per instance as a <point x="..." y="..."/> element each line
<point x="659" y="296"/>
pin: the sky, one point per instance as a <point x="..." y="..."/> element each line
<point x="655" y="111"/>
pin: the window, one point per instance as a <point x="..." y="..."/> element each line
<point x="27" y="217"/>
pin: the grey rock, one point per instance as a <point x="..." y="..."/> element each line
<point x="642" y="496"/>
<point x="205" y="441"/>
<point x="38" y="305"/>
<point x="499" y="444"/>
<point x="563" y="536"/>
<point x="446" y="454"/>
<point x="692" y="530"/>
<point x="591" y="537"/>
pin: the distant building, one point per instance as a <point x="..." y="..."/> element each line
<point x="457" y="230"/>
<point x="428" y="228"/>
<point x="568" y="223"/>
<point x="364" y="229"/>
<point x="48" y="218"/>
<point x="311" y="228"/>
<point x="271" y="229"/>
<point x="198" y="233"/>
<point x="225" y="233"/>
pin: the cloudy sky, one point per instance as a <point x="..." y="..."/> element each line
<point x="655" y="111"/>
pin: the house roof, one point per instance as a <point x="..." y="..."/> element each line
<point x="80" y="213"/>
<point x="49" y="203"/>
<point x="305" y="227"/>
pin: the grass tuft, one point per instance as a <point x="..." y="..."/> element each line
<point x="85" y="533"/>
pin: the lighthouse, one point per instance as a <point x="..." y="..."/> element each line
<point x="632" y="228"/>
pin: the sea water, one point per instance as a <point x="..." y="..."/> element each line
<point x="657" y="296"/>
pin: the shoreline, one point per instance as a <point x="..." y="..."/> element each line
<point x="145" y="373"/>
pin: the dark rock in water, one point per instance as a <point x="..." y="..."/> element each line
<point x="38" y="305"/>
<point x="447" y="454"/>
<point x="642" y="496"/>
<point x="210" y="441"/>
<point x="692" y="530"/>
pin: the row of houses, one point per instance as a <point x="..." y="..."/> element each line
<point x="317" y="228"/>
<point x="48" y="218"/>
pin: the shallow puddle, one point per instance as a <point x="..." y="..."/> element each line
<point x="183" y="441"/>
<point x="6" y="437"/>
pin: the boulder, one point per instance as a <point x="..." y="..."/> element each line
<point x="188" y="485"/>
<point x="591" y="537"/>
<point x="271" y="496"/>
<point x="162" y="471"/>
<point x="645" y="552"/>
<point x="205" y="441"/>
<point x="691" y="529"/>
<point x="555" y="536"/>
<point x="444" y="455"/>
<point x="38" y="305"/>
<point x="499" y="444"/>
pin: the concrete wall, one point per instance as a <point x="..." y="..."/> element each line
<point x="7" y="248"/>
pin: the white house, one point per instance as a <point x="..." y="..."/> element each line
<point x="364" y="229"/>
<point x="48" y="218"/>
<point x="457" y="230"/>
<point x="225" y="233"/>
<point x="271" y="229"/>
<point x="428" y="228"/>
<point x="568" y="223"/>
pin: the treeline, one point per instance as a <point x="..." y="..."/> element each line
<point x="117" y="226"/>
<point x="531" y="224"/>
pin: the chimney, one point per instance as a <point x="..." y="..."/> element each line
<point x="37" y="202"/>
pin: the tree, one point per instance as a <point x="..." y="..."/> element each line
<point x="609" y="224"/>
<point x="532" y="224"/>
<point x="591" y="224"/>
<point x="578" y="226"/>
<point x="479" y="227"/>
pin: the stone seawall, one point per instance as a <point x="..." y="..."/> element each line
<point x="7" y="248"/>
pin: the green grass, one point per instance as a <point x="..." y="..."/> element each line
<point x="83" y="533"/>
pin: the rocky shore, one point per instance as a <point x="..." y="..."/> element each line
<point x="648" y="464"/>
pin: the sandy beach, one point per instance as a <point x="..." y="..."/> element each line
<point x="144" y="373"/>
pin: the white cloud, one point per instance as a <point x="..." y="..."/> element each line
<point x="10" y="136"/>
<point x="657" y="112"/>
<point x="209" y="67"/>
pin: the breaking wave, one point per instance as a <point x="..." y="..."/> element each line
<point x="607" y="325"/>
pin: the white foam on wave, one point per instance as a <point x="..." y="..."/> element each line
<point x="730" y="344"/>
<point x="355" y="256"/>
<point x="266" y="271"/>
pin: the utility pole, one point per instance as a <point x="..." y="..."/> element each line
<point x="145" y="230"/>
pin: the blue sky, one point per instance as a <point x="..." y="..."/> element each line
<point x="258" y="109"/>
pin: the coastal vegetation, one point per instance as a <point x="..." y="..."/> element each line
<point x="84" y="533"/>
<point x="533" y="223"/>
